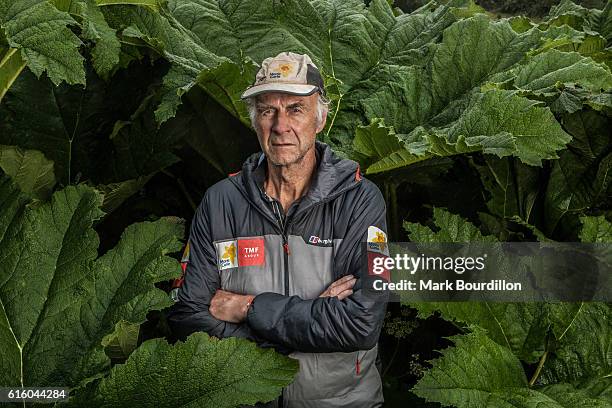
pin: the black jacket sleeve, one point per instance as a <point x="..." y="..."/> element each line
<point x="328" y="324"/>
<point x="190" y="313"/>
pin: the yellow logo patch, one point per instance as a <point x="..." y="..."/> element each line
<point x="377" y="239"/>
<point x="285" y="69"/>
<point x="227" y="255"/>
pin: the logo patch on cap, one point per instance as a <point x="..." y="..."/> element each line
<point x="286" y="69"/>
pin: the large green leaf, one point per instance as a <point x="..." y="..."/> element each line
<point x="32" y="172"/>
<point x="61" y="122"/>
<point x="579" y="358"/>
<point x="519" y="327"/>
<point x="106" y="50"/>
<point x="585" y="36"/>
<point x="376" y="65"/>
<point x="12" y="203"/>
<point x="116" y="193"/>
<point x="174" y="42"/>
<point x="105" y="54"/>
<point x="93" y="133"/>
<point x="550" y="332"/>
<point x="545" y="71"/>
<point x="496" y="122"/>
<point x="378" y="148"/>
<point x="122" y="342"/>
<point x="435" y="94"/>
<point x="603" y="23"/>
<point x="42" y="35"/>
<point x="451" y="228"/>
<point x="514" y="187"/>
<point x="565" y="80"/>
<point x="226" y="81"/>
<point x="442" y="111"/>
<point x="57" y="301"/>
<point x="202" y="372"/>
<point x="569" y="13"/>
<point x="345" y="39"/>
<point x="479" y="373"/>
<point x="580" y="179"/>
<point x="596" y="393"/>
<point x="503" y="124"/>
<point x="474" y="373"/>
<point x="596" y="229"/>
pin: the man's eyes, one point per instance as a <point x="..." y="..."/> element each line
<point x="268" y="112"/>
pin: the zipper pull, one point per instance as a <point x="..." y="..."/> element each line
<point x="357" y="366"/>
<point x="286" y="248"/>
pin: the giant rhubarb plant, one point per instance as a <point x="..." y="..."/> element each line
<point x="569" y="341"/>
<point x="59" y="300"/>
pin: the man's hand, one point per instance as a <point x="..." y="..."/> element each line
<point x="230" y="307"/>
<point x="341" y="288"/>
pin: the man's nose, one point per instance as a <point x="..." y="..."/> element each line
<point x="281" y="123"/>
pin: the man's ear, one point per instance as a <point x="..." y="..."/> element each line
<point x="321" y="125"/>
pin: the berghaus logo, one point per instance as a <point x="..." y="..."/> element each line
<point x="316" y="240"/>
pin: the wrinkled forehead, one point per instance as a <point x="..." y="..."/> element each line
<point x="283" y="99"/>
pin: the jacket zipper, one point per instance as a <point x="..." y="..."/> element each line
<point x="283" y="227"/>
<point x="358" y="363"/>
<point x="279" y="218"/>
<point x="286" y="250"/>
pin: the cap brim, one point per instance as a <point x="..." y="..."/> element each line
<point x="293" y="89"/>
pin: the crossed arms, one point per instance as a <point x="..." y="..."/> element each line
<point x="340" y="319"/>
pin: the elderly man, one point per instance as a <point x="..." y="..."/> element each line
<point x="275" y="250"/>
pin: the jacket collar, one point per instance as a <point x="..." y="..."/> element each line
<point x="334" y="175"/>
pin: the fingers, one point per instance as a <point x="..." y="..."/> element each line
<point x="345" y="294"/>
<point x="345" y="285"/>
<point x="342" y="285"/>
<point x="341" y="281"/>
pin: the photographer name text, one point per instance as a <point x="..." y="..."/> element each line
<point x="447" y="285"/>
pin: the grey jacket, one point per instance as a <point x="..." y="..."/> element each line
<point x="241" y="241"/>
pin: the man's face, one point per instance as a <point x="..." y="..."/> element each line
<point x="286" y="126"/>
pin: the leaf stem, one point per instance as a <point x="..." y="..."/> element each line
<point x="335" y="114"/>
<point x="12" y="59"/>
<point x="333" y="74"/>
<point x="538" y="369"/>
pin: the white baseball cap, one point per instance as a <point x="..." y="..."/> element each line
<point x="288" y="72"/>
